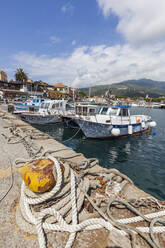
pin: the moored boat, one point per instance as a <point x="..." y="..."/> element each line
<point x="29" y="105"/>
<point x="49" y="112"/>
<point x="40" y="119"/>
<point x="111" y="121"/>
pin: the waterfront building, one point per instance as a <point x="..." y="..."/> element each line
<point x="14" y="89"/>
<point x="32" y="88"/>
<point x="3" y="76"/>
<point x="59" y="91"/>
<point x="61" y="88"/>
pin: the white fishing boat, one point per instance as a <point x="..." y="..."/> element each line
<point x="69" y="119"/>
<point x="111" y="121"/>
<point x="49" y="112"/>
<point x="162" y="106"/>
<point x="29" y="105"/>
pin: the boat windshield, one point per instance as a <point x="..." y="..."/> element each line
<point x="55" y="105"/>
<point x="123" y="112"/>
<point x="103" y="111"/>
<point x="42" y="105"/>
<point x="35" y="100"/>
<point x="112" y="111"/>
<point x="69" y="107"/>
<point x="86" y="110"/>
<point x="46" y="105"/>
<point x="92" y="111"/>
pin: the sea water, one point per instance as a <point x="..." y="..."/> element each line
<point x="142" y="158"/>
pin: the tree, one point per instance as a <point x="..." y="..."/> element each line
<point x="82" y="94"/>
<point x="20" y="75"/>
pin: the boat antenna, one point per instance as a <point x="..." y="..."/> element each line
<point x="108" y="95"/>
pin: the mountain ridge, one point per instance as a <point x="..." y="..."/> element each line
<point x="133" y="88"/>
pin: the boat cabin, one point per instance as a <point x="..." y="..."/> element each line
<point x="54" y="105"/>
<point x="87" y="110"/>
<point x="117" y="110"/>
<point x="34" y="102"/>
<point x="108" y="110"/>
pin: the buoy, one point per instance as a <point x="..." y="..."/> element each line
<point x="115" y="131"/>
<point x="130" y="129"/>
<point x="153" y="133"/>
<point x="38" y="175"/>
<point x="152" y="124"/>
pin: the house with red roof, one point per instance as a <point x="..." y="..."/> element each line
<point x="60" y="87"/>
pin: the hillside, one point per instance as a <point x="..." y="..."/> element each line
<point x="130" y="88"/>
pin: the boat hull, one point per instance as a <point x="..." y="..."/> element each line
<point x="68" y="122"/>
<point x="40" y="119"/>
<point x="103" y="131"/>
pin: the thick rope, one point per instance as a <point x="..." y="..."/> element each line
<point x="61" y="225"/>
<point x="139" y="230"/>
<point x="70" y="203"/>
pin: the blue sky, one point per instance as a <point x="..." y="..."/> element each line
<point x="83" y="42"/>
<point x="29" y="26"/>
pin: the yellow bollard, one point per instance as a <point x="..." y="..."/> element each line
<point x="38" y="175"/>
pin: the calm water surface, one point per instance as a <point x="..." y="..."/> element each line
<point x="142" y="158"/>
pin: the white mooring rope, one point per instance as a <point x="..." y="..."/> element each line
<point x="61" y="225"/>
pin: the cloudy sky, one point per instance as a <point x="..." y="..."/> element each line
<point x="83" y="42"/>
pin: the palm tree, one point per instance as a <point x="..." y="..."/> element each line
<point x="20" y="75"/>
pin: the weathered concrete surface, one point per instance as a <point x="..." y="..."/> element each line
<point x="10" y="234"/>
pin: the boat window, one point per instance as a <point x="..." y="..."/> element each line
<point x="42" y="105"/>
<point x="112" y="111"/>
<point x="47" y="105"/>
<point x="92" y="111"/>
<point x="53" y="106"/>
<point x="85" y="110"/>
<point x="78" y="110"/>
<point x="123" y="112"/>
<point x="69" y="107"/>
<point x="104" y="111"/>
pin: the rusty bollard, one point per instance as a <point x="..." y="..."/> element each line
<point x="38" y="175"/>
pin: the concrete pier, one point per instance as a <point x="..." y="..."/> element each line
<point x="12" y="236"/>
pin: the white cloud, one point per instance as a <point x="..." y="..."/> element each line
<point x="96" y="65"/>
<point x="140" y="21"/>
<point x="54" y="39"/>
<point x="67" y="8"/>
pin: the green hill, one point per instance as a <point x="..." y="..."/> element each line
<point x="131" y="88"/>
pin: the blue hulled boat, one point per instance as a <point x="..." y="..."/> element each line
<point x="109" y="121"/>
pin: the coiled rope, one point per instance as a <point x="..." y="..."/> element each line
<point x="76" y="199"/>
<point x="41" y="225"/>
<point x="40" y="221"/>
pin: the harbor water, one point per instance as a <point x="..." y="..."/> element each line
<point x="142" y="157"/>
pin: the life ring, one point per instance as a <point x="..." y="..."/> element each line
<point x="138" y="121"/>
